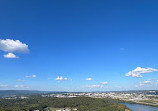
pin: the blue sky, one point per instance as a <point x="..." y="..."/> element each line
<point x="78" y="45"/>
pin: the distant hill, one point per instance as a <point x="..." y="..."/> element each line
<point x="4" y="93"/>
<point x="155" y="92"/>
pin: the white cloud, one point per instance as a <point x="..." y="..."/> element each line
<point x="10" y="45"/>
<point x="61" y="78"/>
<point x="95" y="86"/>
<point x="105" y="83"/>
<point x="138" y="71"/>
<point x="21" y="86"/>
<point x="141" y="84"/>
<point x="3" y="85"/>
<point x="145" y="82"/>
<point x="101" y="85"/>
<point x="20" y="80"/>
<point x="88" y="79"/>
<point x="10" y="55"/>
<point x="32" y="76"/>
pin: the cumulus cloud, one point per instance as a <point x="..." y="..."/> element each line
<point x="10" y="55"/>
<point x="61" y="78"/>
<point x="88" y="79"/>
<point x="32" y="76"/>
<point x="138" y="71"/>
<point x="10" y="45"/>
<point x="21" y="86"/>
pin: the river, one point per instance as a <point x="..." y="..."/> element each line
<point x="140" y="107"/>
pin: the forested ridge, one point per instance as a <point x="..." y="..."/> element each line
<point x="37" y="102"/>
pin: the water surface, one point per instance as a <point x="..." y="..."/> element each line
<point x="140" y="107"/>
